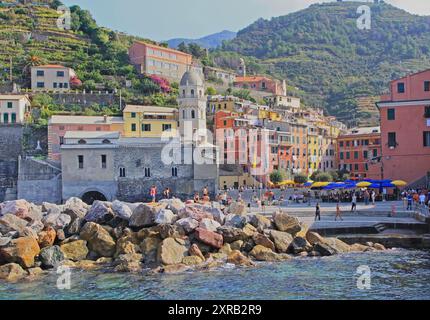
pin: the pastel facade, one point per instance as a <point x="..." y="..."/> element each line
<point x="51" y="78"/>
<point x="259" y="83"/>
<point x="151" y="59"/>
<point x="359" y="151"/>
<point x="14" y="108"/>
<point x="405" y="128"/>
<point x="59" y="126"/>
<point x="150" y="121"/>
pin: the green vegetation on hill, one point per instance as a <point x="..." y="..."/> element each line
<point x="30" y="36"/>
<point x="327" y="59"/>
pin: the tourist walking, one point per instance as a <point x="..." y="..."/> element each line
<point x="205" y="191"/>
<point x="422" y="199"/>
<point x="366" y="197"/>
<point x="196" y="197"/>
<point x="354" y="203"/>
<point x="409" y="198"/>
<point x="373" y="197"/>
<point x="153" y="193"/>
<point x="166" y="193"/>
<point x="318" y="212"/>
<point x="338" y="213"/>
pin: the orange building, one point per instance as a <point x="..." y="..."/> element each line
<point x="359" y="152"/>
<point x="152" y="59"/>
<point x="405" y="129"/>
<point x="259" y="83"/>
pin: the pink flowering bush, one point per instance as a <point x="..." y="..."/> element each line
<point x="162" y="83"/>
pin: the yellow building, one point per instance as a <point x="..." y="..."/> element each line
<point x="314" y="149"/>
<point x="222" y="103"/>
<point x="149" y="121"/>
<point x="269" y="115"/>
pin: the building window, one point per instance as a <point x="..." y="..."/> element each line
<point x="55" y="85"/>
<point x="61" y="140"/>
<point x="62" y="128"/>
<point x="365" y="154"/>
<point x="192" y="92"/>
<point x="61" y="85"/>
<point x="98" y="129"/>
<point x="400" y="87"/>
<point x="80" y="162"/>
<point x="122" y="172"/>
<point x="82" y="141"/>
<point x="174" y="172"/>
<point x="106" y="141"/>
<point x="391" y="114"/>
<point x="193" y="114"/>
<point x="60" y="74"/>
<point x="146" y="127"/>
<point x="392" y="141"/>
<point x="375" y="153"/>
<point x="341" y="144"/>
<point x="348" y="155"/>
<point x="5" y="117"/>
<point x="427" y="112"/>
<point x="427" y="86"/>
<point x="104" y="161"/>
<point x="81" y="128"/>
<point x="41" y="84"/>
<point x="66" y="85"/>
<point x="426" y="136"/>
<point x="133" y="114"/>
<point x="40" y="73"/>
<point x="10" y="105"/>
<point x="167" y="127"/>
<point x="147" y="172"/>
<point x="133" y="127"/>
<point x="13" y="118"/>
<point x="355" y="154"/>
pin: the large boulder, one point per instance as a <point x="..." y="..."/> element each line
<point x="175" y="205"/>
<point x="194" y="212"/>
<point x="10" y="222"/>
<point x="121" y="210"/>
<point x="210" y="238"/>
<point x="165" y="216"/>
<point x="19" y="208"/>
<point x="261" y="253"/>
<point x="299" y="245"/>
<point x="235" y="221"/>
<point x="195" y="251"/>
<point x="57" y="221"/>
<point x="171" y="231"/>
<point x="231" y="234"/>
<point x="358" y="247"/>
<point x="192" y="261"/>
<point x="238" y="208"/>
<point x="143" y="216"/>
<point x="4" y="241"/>
<point x="188" y="224"/>
<point x="287" y="223"/>
<point x="51" y="257"/>
<point x="21" y="251"/>
<point x="124" y="245"/>
<point x="74" y="227"/>
<point x="263" y="240"/>
<point x="12" y="272"/>
<point x="99" y="240"/>
<point x="282" y="240"/>
<point x="46" y="238"/>
<point x="338" y="245"/>
<point x="213" y="212"/>
<point x="324" y="249"/>
<point x="314" y="238"/>
<point x="149" y="249"/>
<point x="75" y="251"/>
<point x="76" y="208"/>
<point x="172" y="251"/>
<point x="209" y="224"/>
<point x="101" y="212"/>
<point x="131" y="262"/>
<point x="259" y="221"/>
<point x="236" y="257"/>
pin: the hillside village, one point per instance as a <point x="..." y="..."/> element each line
<point x="80" y="126"/>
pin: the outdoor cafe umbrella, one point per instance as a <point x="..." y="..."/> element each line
<point x="287" y="183"/>
<point x="320" y="184"/>
<point x="399" y="183"/>
<point x="363" y="184"/>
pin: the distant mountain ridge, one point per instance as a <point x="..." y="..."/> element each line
<point x="333" y="63"/>
<point x="209" y="42"/>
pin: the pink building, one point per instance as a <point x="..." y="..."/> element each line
<point x="59" y="125"/>
<point x="405" y="128"/>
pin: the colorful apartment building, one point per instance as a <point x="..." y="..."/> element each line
<point x="53" y="77"/>
<point x="221" y="103"/>
<point x="259" y="83"/>
<point x="14" y="108"/>
<point x="282" y="101"/>
<point x="59" y="125"/>
<point x="359" y="151"/>
<point x="152" y="59"/>
<point x="149" y="121"/>
<point x="405" y="128"/>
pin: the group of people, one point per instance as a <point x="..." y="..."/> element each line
<point x="414" y="198"/>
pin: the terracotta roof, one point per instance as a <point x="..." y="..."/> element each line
<point x="251" y="79"/>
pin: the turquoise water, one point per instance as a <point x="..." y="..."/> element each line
<point x="395" y="274"/>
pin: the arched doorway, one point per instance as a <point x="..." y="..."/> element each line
<point x="91" y="196"/>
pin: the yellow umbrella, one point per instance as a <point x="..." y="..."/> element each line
<point x="399" y="183"/>
<point x="363" y="184"/>
<point x="320" y="184"/>
<point x="287" y="182"/>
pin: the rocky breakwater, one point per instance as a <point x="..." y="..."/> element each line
<point x="166" y="237"/>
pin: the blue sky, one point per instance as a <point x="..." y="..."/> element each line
<point x="166" y="19"/>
